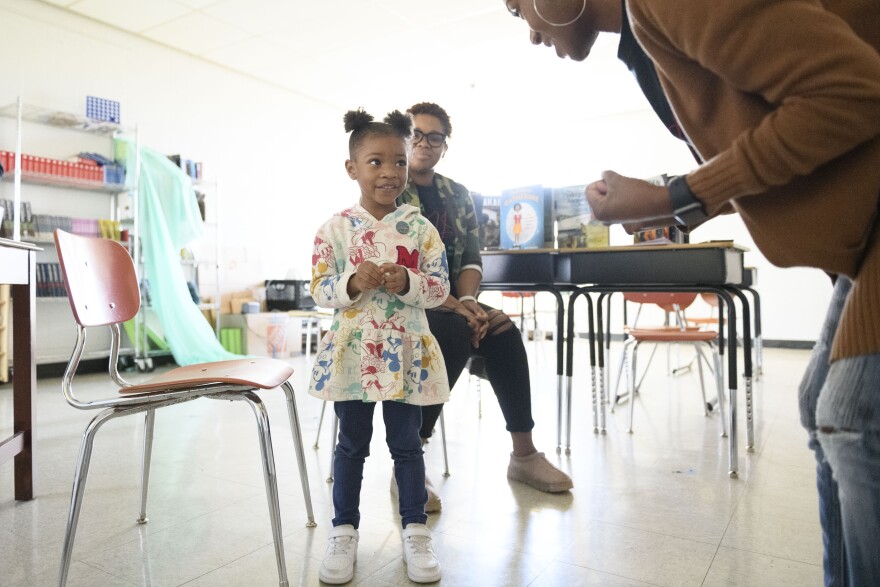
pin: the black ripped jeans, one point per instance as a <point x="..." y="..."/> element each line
<point x="507" y="366"/>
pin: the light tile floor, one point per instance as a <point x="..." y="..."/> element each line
<point x="652" y="508"/>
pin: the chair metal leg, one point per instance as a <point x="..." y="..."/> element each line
<point x="333" y="451"/>
<point x="79" y="485"/>
<point x="296" y="431"/>
<point x="320" y="423"/>
<point x="698" y="359"/>
<point x="645" y="372"/>
<point x="271" y="479"/>
<point x="149" y="421"/>
<point x="633" y="388"/>
<point x="443" y="439"/>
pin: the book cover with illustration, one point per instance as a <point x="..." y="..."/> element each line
<point x="571" y="214"/>
<point x="488" y="210"/>
<point x="522" y="218"/>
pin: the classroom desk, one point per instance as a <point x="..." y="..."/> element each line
<point x="716" y="267"/>
<point x="18" y="268"/>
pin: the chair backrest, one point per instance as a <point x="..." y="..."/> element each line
<point x="100" y="279"/>
<point x="666" y="300"/>
<point x="710" y="298"/>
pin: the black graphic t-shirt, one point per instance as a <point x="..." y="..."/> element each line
<point x="637" y="61"/>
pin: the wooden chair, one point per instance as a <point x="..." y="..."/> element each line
<point x="679" y="333"/>
<point x="103" y="291"/>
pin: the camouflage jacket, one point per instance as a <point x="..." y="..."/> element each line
<point x="465" y="250"/>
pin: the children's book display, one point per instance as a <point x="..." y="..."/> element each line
<point x="571" y="213"/>
<point x="522" y="218"/>
<point x="534" y="217"/>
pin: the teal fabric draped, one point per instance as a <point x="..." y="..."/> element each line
<point x="169" y="220"/>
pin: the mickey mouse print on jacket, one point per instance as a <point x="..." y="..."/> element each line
<point x="379" y="346"/>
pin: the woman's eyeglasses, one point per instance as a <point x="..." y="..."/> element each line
<point x="435" y="139"/>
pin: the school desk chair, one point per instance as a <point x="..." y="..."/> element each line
<point x="679" y="333"/>
<point x="103" y="291"/>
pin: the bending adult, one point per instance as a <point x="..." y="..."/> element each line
<point x="462" y="326"/>
<point x="780" y="100"/>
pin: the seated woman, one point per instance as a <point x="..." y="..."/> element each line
<point x="462" y="326"/>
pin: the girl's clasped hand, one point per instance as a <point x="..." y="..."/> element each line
<point x="394" y="278"/>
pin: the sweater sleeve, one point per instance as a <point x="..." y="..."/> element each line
<point x="329" y="280"/>
<point x="429" y="286"/>
<point x="812" y="87"/>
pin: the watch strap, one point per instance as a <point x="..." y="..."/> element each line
<point x="686" y="208"/>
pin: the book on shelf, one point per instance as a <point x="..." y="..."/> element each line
<point x="522" y="217"/>
<point x="488" y="210"/>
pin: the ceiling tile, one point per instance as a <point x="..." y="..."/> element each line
<point x="261" y="58"/>
<point x="131" y="15"/>
<point x="427" y="12"/>
<point x="198" y="4"/>
<point x="196" y="33"/>
<point x="257" y="16"/>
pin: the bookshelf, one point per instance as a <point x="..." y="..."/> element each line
<point x="37" y="145"/>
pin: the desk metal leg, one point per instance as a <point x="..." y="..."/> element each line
<point x="733" y="450"/>
<point x="600" y="338"/>
<point x="747" y="365"/>
<point x="570" y="338"/>
<point x="759" y="341"/>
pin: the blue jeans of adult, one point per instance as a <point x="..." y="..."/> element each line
<point x="402" y="423"/>
<point x="840" y="407"/>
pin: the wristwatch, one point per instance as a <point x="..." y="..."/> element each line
<point x="686" y="208"/>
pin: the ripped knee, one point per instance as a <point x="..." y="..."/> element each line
<point x="499" y="322"/>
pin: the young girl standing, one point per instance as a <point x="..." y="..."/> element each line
<point x="379" y="265"/>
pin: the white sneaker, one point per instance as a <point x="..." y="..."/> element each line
<point x="338" y="564"/>
<point x="422" y="565"/>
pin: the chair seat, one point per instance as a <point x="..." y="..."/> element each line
<point x="629" y="329"/>
<point x="703" y="320"/>
<point x="672" y="335"/>
<point x="257" y="372"/>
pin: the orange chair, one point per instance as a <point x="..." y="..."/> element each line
<point x="522" y="314"/>
<point x="678" y="333"/>
<point x="103" y="291"/>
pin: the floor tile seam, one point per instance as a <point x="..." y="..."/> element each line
<point x="214" y="477"/>
<point x="655" y="533"/>
<point x="773" y="556"/>
<point x="569" y="564"/>
<point x="106" y="572"/>
<point x="227" y="564"/>
<point x="519" y="551"/>
<point x="712" y="562"/>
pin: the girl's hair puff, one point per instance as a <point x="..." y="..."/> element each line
<point x="361" y="125"/>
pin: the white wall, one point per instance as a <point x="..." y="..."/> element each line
<point x="279" y="156"/>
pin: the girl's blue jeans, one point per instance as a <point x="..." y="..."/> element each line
<point x="402" y="423"/>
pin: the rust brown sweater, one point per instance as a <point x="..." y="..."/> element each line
<point x="781" y="98"/>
